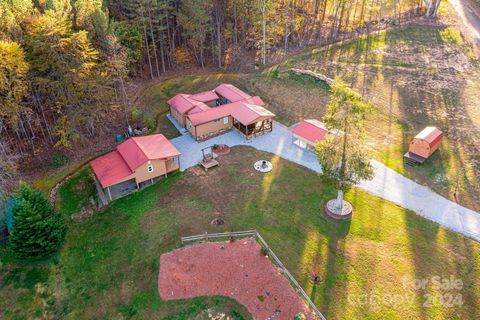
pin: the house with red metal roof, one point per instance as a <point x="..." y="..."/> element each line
<point x="423" y="145"/>
<point x="204" y="117"/>
<point x="308" y="133"/>
<point x="134" y="164"/>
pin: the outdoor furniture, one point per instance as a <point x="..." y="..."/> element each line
<point x="208" y="160"/>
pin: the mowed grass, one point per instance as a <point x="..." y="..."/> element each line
<point x="394" y="70"/>
<point x="108" y="266"/>
<point x="416" y="76"/>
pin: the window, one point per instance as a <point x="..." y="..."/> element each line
<point x="225" y="120"/>
<point x="216" y="120"/>
<point x="150" y="168"/>
<point x="189" y="125"/>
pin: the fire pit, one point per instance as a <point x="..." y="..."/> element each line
<point x="263" y="166"/>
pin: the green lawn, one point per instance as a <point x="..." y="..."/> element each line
<point x="415" y="76"/>
<point x="108" y="266"/>
<point x="404" y="73"/>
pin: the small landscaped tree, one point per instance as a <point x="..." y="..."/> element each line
<point x="342" y="155"/>
<point x="37" y="229"/>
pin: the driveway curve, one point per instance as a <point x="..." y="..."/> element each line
<point x="387" y="183"/>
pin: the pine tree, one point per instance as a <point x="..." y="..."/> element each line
<point x="37" y="229"/>
<point x="67" y="75"/>
<point x="342" y="155"/>
<point x="194" y="17"/>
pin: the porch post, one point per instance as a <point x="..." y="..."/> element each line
<point x="246" y="133"/>
<point x="109" y="194"/>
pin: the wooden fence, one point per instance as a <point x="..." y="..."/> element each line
<point x="271" y="254"/>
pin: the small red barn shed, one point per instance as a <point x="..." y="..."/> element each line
<point x="424" y="144"/>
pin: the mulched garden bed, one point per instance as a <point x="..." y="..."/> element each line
<point x="235" y="269"/>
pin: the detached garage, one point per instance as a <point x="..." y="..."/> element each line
<point x="424" y="145"/>
<point x="308" y="133"/>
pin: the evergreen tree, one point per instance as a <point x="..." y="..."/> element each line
<point x="342" y="155"/>
<point x="194" y="17"/>
<point x="37" y="229"/>
<point x="12" y="14"/>
<point x="68" y="76"/>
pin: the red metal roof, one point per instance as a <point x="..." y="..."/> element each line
<point x="130" y="155"/>
<point x="181" y="103"/>
<point x="205" y="96"/>
<point x="311" y="130"/>
<point x="247" y="113"/>
<point x="211" y="114"/>
<point x="199" y="108"/>
<point x="256" y="100"/>
<point x="110" y="168"/>
<point x="431" y="135"/>
<point x="138" y="150"/>
<point x="231" y="92"/>
<point x="244" y="113"/>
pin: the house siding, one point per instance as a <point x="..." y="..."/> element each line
<point x="177" y="116"/>
<point x="210" y="128"/>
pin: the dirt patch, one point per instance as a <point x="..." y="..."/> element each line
<point x="234" y="269"/>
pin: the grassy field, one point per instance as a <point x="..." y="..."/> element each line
<point x="415" y="75"/>
<point x="108" y="266"/>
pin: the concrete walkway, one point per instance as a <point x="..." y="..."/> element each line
<point x="387" y="183"/>
<point x="469" y="16"/>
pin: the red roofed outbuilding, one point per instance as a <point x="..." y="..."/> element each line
<point x="308" y="133"/>
<point x="424" y="144"/>
<point x="137" y="162"/>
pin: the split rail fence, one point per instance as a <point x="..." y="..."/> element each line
<point x="271" y="254"/>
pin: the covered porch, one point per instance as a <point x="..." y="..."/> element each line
<point x="254" y="129"/>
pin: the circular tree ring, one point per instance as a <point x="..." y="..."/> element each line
<point x="333" y="212"/>
<point x="263" y="166"/>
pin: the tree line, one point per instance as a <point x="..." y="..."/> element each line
<point x="64" y="63"/>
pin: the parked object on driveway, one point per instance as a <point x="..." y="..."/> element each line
<point x="423" y="145"/>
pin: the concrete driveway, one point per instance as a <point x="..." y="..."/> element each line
<point x="387" y="183"/>
<point x="469" y="15"/>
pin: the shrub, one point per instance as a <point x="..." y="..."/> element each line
<point x="299" y="316"/>
<point x="264" y="251"/>
<point x="37" y="229"/>
<point x="149" y="121"/>
<point x="58" y="160"/>
<point x="135" y="114"/>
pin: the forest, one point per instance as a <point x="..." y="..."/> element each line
<point x="65" y="64"/>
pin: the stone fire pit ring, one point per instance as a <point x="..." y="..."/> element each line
<point x="263" y="166"/>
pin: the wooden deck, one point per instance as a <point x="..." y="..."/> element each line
<point x="209" y="164"/>
<point x="413" y="159"/>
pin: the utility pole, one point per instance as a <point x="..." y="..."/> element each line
<point x="264" y="45"/>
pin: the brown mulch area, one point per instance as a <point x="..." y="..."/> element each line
<point x="235" y="269"/>
<point x="221" y="149"/>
